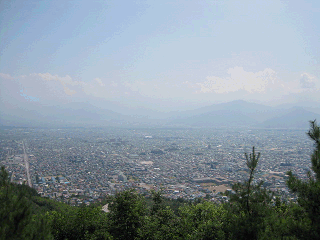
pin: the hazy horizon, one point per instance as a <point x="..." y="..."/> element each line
<point x="161" y="56"/>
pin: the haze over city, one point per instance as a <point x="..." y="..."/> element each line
<point x="172" y="119"/>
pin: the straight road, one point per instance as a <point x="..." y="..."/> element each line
<point x="26" y="162"/>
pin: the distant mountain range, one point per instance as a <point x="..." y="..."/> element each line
<point x="231" y="114"/>
<point x="296" y="117"/>
<point x="244" y="114"/>
<point x="68" y="115"/>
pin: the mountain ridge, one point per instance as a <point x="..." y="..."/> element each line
<point x="235" y="113"/>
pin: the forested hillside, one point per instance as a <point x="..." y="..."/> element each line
<point x="249" y="212"/>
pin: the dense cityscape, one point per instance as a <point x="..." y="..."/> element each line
<point x="84" y="165"/>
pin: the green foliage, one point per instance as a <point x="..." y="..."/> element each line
<point x="127" y="214"/>
<point x="81" y="223"/>
<point x="286" y="221"/>
<point x="161" y="223"/>
<point x="17" y="218"/>
<point x="250" y="205"/>
<point x="314" y="134"/>
<point x="203" y="221"/>
<point x="44" y="205"/>
<point x="173" y="204"/>
<point x="309" y="191"/>
<point x="252" y="161"/>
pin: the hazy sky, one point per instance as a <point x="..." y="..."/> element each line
<point x="159" y="54"/>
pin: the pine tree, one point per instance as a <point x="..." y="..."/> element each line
<point x="308" y="192"/>
<point x="250" y="205"/>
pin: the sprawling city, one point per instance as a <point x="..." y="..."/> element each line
<point x="84" y="165"/>
<point x="159" y="120"/>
